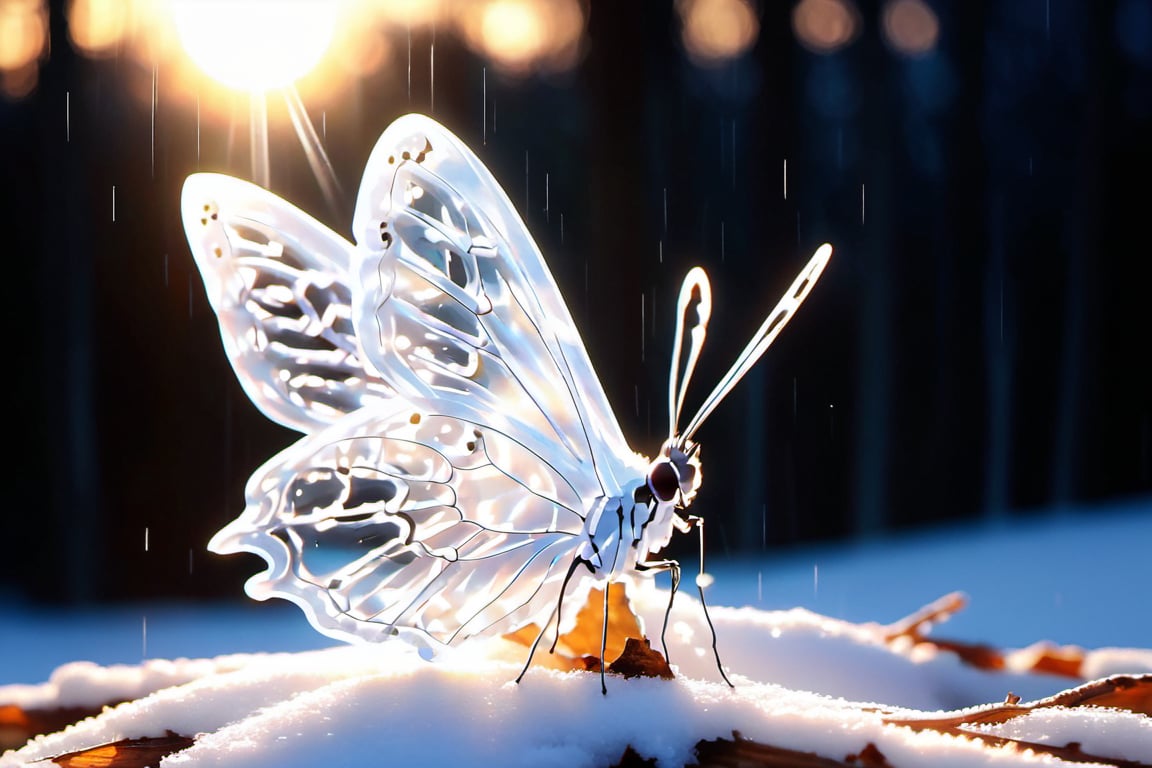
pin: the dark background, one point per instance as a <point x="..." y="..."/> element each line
<point x="977" y="350"/>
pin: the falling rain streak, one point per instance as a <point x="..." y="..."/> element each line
<point x="861" y="203"/>
<point x="785" y="178"/>
<point x="642" y="324"/>
<point x="153" y="121"/>
<point x="67" y="116"/>
<point x="113" y="202"/>
<point x="733" y="154"/>
<point x="795" y="393"/>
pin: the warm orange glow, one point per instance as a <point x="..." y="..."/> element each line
<point x="716" y="30"/>
<point x="910" y="26"/>
<point x="254" y="45"/>
<point x="522" y="35"/>
<point x="97" y="26"/>
<point x="23" y="33"/>
<point x="415" y="13"/>
<point x="825" y="26"/>
<point x="362" y="52"/>
<point x="18" y="83"/>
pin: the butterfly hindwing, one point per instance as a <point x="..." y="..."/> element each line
<point x="279" y="283"/>
<point x="401" y="518"/>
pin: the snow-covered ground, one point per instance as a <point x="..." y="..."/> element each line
<point x="807" y="656"/>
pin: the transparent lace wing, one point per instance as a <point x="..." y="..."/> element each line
<point x="428" y="520"/>
<point x="458" y="448"/>
<point x="279" y="283"/>
<point x="454" y="300"/>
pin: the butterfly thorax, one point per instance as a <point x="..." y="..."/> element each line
<point x="640" y="522"/>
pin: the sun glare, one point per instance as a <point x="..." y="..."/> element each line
<point x="253" y="45"/>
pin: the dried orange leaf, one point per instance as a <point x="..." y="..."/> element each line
<point x="585" y="637"/>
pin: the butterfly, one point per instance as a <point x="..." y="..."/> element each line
<point x="461" y="471"/>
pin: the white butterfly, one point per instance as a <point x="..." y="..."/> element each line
<point x="462" y="472"/>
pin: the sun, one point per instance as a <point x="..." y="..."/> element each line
<point x="255" y="45"/>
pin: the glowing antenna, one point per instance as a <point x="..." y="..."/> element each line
<point x="760" y="342"/>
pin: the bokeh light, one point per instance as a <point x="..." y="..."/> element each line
<point x="522" y="36"/>
<point x="97" y="27"/>
<point x="910" y="27"/>
<point x="409" y="13"/>
<point x="23" y="38"/>
<point x="717" y="30"/>
<point x="825" y="26"/>
<point x="253" y="45"/>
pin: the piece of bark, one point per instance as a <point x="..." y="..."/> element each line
<point x="1129" y="692"/>
<point x="1046" y="658"/>
<point x="632" y="759"/>
<point x="17" y="724"/>
<point x="739" y="752"/>
<point x="126" y="753"/>
<point x="639" y="660"/>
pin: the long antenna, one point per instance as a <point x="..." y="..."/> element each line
<point x="696" y="281"/>
<point x="764" y="337"/>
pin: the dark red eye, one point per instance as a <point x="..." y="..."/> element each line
<point x="663" y="481"/>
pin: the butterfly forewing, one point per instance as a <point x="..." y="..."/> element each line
<point x="454" y="299"/>
<point x="278" y="281"/>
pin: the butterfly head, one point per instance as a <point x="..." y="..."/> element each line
<point x="674" y="476"/>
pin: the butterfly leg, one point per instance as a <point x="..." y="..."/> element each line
<point x="690" y="521"/>
<point x="684" y="524"/>
<point x="536" y="642"/>
<point x="555" y="615"/>
<point x="673" y="567"/>
<point x="607" y="592"/>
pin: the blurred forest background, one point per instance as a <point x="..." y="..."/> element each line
<point x="977" y="350"/>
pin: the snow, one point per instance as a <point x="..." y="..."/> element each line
<point x="805" y="680"/>
<point x="354" y="705"/>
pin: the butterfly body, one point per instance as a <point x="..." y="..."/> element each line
<point x="461" y="472"/>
